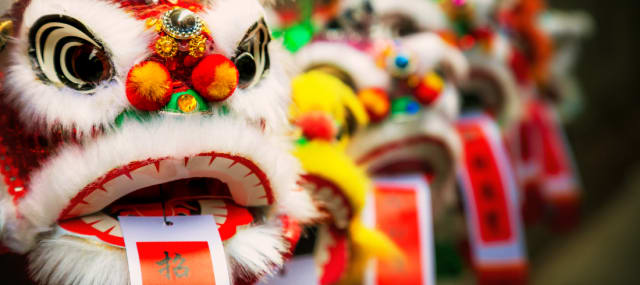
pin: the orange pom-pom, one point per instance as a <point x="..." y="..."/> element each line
<point x="376" y="102"/>
<point x="215" y="78"/>
<point x="149" y="86"/>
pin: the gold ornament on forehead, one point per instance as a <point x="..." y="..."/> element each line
<point x="6" y="29"/>
<point x="198" y="46"/>
<point x="179" y="24"/>
<point x="182" y="23"/>
<point x="166" y="47"/>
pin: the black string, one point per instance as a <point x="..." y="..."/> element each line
<point x="164" y="208"/>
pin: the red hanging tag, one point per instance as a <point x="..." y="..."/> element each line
<point x="491" y="201"/>
<point x="526" y="150"/>
<point x="560" y="186"/>
<point x="401" y="208"/>
<point x="187" y="251"/>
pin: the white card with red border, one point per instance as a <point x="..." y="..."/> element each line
<point x="490" y="195"/>
<point x="299" y="270"/>
<point x="401" y="208"/>
<point x="189" y="251"/>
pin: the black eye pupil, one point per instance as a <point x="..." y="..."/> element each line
<point x="247" y="68"/>
<point x="88" y="63"/>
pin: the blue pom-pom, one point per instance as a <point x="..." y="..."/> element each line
<point x="402" y="61"/>
<point x="413" y="108"/>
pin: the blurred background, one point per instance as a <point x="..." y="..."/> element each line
<point x="605" y="138"/>
<point x="606" y="141"/>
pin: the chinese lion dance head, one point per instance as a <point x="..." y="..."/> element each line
<point x="143" y="108"/>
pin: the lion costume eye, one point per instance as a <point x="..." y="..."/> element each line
<point x="66" y="52"/>
<point x="252" y="57"/>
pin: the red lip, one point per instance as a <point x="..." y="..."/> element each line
<point x="229" y="217"/>
<point x="120" y="181"/>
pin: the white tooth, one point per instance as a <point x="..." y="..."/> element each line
<point x="100" y="197"/>
<point x="325" y="194"/>
<point x="93" y="218"/>
<point x="342" y="223"/>
<point x="147" y="175"/>
<point x="321" y="252"/>
<point x="212" y="203"/>
<point x="221" y="164"/>
<point x="342" y="214"/>
<point x="213" y="207"/>
<point x="105" y="224"/>
<point x="258" y="196"/>
<point x="198" y="164"/>
<point x="219" y="212"/>
<point x="311" y="187"/>
<point x="260" y="202"/>
<point x="258" y="191"/>
<point x="238" y="171"/>
<point x="333" y="205"/>
<point x="78" y="210"/>
<point x="117" y="231"/>
<point x="250" y="181"/>
<point x="122" y="185"/>
<point x="220" y="220"/>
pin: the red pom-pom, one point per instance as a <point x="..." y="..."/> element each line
<point x="429" y="88"/>
<point x="215" y="78"/>
<point x="149" y="86"/>
<point x="317" y="125"/>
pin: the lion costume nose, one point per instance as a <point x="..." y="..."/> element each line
<point x="150" y="86"/>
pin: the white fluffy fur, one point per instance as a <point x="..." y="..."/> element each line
<point x="432" y="51"/>
<point x="4" y="6"/>
<point x="429" y="123"/>
<point x="358" y="64"/>
<point x="127" y="40"/>
<point x="56" y="261"/>
<point x="254" y="251"/>
<point x="301" y="204"/>
<point x="229" y="20"/>
<point x="483" y="11"/>
<point x="61" y="178"/>
<point x="512" y="94"/>
<point x="269" y="99"/>
<point x="46" y="104"/>
<point x="427" y="14"/>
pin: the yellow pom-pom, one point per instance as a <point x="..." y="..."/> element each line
<point x="434" y="81"/>
<point x="317" y="91"/>
<point x="225" y="82"/>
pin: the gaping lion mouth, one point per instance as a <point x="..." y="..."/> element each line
<point x="483" y="91"/>
<point x="332" y="198"/>
<point x="230" y="188"/>
<point x="211" y="167"/>
<point x="428" y="145"/>
<point x="418" y="154"/>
